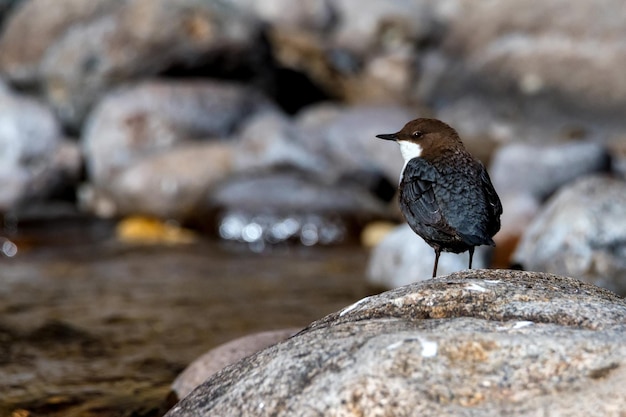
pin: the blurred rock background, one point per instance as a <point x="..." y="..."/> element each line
<point x="254" y="120"/>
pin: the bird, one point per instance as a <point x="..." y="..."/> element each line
<point x="445" y="193"/>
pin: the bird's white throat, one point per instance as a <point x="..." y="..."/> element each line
<point x="409" y="150"/>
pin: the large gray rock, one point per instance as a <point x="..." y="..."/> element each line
<point x="81" y="54"/>
<point x="347" y="137"/>
<point x="516" y="72"/>
<point x="581" y="232"/>
<point x="539" y="170"/>
<point x="272" y="139"/>
<point x="140" y="144"/>
<point x="167" y="185"/>
<point x="33" y="27"/>
<point x="525" y="174"/>
<point x="403" y="257"/>
<point x="527" y="48"/>
<point x="487" y="343"/>
<point x="34" y="158"/>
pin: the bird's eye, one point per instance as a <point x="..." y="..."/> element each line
<point x="417" y="134"/>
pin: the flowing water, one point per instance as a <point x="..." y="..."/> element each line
<point x="93" y="327"/>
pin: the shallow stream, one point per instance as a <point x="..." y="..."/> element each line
<point x="93" y="327"/>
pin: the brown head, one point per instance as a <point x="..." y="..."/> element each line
<point x="426" y="138"/>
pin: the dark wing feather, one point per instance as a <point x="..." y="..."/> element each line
<point x="418" y="200"/>
<point x="494" y="204"/>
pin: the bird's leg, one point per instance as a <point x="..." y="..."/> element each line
<point x="471" y="252"/>
<point x="437" y="253"/>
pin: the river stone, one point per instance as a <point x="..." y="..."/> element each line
<point x="156" y="116"/>
<point x="34" y="158"/>
<point x="539" y="170"/>
<point x="529" y="55"/>
<point x="34" y="26"/>
<point x="348" y="138"/>
<point x="167" y="185"/>
<point x="271" y="139"/>
<point x="581" y="232"/>
<point x="223" y="355"/>
<point x="289" y="191"/>
<point x="403" y="257"/>
<point x="137" y="39"/>
<point x="499" y="68"/>
<point x="481" y="342"/>
<point x="525" y="174"/>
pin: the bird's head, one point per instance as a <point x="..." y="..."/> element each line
<point x="423" y="137"/>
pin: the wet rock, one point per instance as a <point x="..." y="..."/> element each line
<point x="402" y="258"/>
<point x="437" y="348"/>
<point x="34" y="158"/>
<point x="289" y="192"/>
<point x="157" y="116"/>
<point x="102" y="45"/>
<point x="223" y="355"/>
<point x="581" y="233"/>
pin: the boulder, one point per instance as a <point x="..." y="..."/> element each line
<point x="581" y="232"/>
<point x="482" y="342"/>
<point x="79" y="55"/>
<point x="35" y="160"/>
<point x="167" y="185"/>
<point x="347" y="137"/>
<point x="272" y="140"/>
<point x="540" y="170"/>
<point x="526" y="174"/>
<point x="499" y="69"/>
<point x="33" y="27"/>
<point x="151" y="148"/>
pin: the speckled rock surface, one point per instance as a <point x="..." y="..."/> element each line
<point x="486" y="343"/>
<point x="581" y="233"/>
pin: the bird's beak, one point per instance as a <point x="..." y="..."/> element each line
<point x="388" y="136"/>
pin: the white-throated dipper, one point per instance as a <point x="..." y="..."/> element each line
<point x="446" y="195"/>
